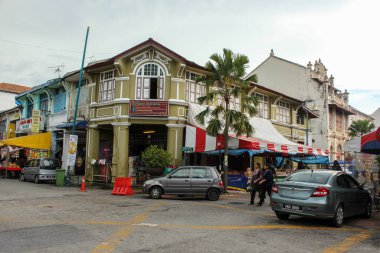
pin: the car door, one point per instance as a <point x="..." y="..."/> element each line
<point x="28" y="172"/>
<point x="356" y="195"/>
<point x="201" y="180"/>
<point x="178" y="182"/>
<point x="343" y="194"/>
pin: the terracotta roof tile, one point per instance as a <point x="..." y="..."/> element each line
<point x="13" y="88"/>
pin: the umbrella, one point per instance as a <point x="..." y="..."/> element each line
<point x="370" y="143"/>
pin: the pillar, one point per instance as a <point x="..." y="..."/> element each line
<point x="120" y="156"/>
<point x="175" y="141"/>
<point x="92" y="149"/>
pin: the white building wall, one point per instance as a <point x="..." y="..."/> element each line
<point x="294" y="81"/>
<point x="7" y="100"/>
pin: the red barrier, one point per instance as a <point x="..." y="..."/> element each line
<point x="123" y="186"/>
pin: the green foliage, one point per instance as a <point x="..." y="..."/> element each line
<point x="155" y="157"/>
<point x="225" y="83"/>
<point x="360" y="127"/>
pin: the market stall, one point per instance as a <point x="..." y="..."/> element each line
<point x="16" y="151"/>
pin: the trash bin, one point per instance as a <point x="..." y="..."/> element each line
<point x="60" y="177"/>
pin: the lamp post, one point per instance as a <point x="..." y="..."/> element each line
<point x="307" y="119"/>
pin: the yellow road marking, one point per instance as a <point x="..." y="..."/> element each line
<point x="252" y="211"/>
<point x="123" y="232"/>
<point x="348" y="243"/>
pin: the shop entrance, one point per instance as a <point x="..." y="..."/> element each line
<point x="143" y="136"/>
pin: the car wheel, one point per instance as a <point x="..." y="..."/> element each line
<point x="282" y="216"/>
<point x="36" y="180"/>
<point x="368" y="210"/>
<point x="155" y="192"/>
<point x="213" y="194"/>
<point x="338" y="217"/>
<point x="22" y="178"/>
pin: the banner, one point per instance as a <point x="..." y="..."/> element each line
<point x="11" y="133"/>
<point x="35" y="121"/>
<point x="72" y="150"/>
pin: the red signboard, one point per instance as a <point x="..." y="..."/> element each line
<point x="148" y="108"/>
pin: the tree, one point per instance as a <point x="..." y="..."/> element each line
<point x="225" y="86"/>
<point x="360" y="127"/>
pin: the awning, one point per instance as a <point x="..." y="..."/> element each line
<point x="266" y="138"/>
<point x="79" y="124"/>
<point x="35" y="141"/>
<point x="370" y="143"/>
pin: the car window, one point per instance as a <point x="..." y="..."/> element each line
<point x="30" y="163"/>
<point x="36" y="163"/>
<point x="199" y="173"/>
<point x="351" y="182"/>
<point x="309" y="177"/>
<point x="181" y="173"/>
<point x="50" y="163"/>
<point x="341" y="181"/>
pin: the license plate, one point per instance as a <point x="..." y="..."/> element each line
<point x="292" y="207"/>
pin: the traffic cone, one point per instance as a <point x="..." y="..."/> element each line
<point x="83" y="185"/>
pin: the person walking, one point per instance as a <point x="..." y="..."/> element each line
<point x="256" y="178"/>
<point x="336" y="166"/>
<point x="266" y="184"/>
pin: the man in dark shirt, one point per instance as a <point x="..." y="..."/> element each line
<point x="266" y="184"/>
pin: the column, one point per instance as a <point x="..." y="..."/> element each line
<point x="120" y="156"/>
<point x="175" y="141"/>
<point x="92" y="149"/>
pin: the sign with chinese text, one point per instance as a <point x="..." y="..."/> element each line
<point x="72" y="150"/>
<point x="148" y="108"/>
<point x="35" y="121"/>
<point x="11" y="133"/>
<point x="23" y="125"/>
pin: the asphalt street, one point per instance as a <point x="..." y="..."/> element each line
<point x="46" y="218"/>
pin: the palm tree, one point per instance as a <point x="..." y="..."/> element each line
<point x="225" y="87"/>
<point x="360" y="127"/>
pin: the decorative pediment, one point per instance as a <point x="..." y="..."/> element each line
<point x="151" y="55"/>
<point x="140" y="57"/>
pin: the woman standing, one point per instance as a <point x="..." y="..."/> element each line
<point x="256" y="178"/>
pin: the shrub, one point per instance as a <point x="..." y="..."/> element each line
<point x="155" y="157"/>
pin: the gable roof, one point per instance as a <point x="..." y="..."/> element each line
<point x="150" y="42"/>
<point x="41" y="86"/>
<point x="13" y="88"/>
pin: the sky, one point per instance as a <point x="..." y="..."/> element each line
<point x="37" y="35"/>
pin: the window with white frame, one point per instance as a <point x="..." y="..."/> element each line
<point x="193" y="90"/>
<point x="107" y="86"/>
<point x="263" y="105"/>
<point x="150" y="82"/>
<point x="283" y="112"/>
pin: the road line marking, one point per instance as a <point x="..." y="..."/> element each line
<point x="348" y="243"/>
<point x="124" y="231"/>
<point x="252" y="211"/>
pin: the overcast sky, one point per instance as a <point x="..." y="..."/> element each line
<point x="38" y="34"/>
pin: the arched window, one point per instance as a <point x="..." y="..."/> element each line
<point x="150" y="82"/>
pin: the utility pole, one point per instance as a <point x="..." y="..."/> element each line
<point x="76" y="109"/>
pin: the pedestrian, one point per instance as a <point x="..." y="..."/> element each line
<point x="256" y="178"/>
<point x="300" y="166"/>
<point x="266" y="184"/>
<point x="336" y="166"/>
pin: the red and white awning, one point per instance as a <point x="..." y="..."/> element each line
<point x="265" y="138"/>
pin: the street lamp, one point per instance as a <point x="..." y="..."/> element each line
<point x="307" y="118"/>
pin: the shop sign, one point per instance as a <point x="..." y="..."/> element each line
<point x="24" y="125"/>
<point x="148" y="108"/>
<point x="187" y="149"/>
<point x="72" y="150"/>
<point x="35" y="128"/>
<point x="11" y="133"/>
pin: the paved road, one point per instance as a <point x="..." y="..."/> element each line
<point x="45" y="218"/>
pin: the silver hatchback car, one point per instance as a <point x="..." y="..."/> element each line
<point x="40" y="169"/>
<point x="322" y="194"/>
<point x="187" y="180"/>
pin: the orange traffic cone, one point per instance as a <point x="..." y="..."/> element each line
<point x="83" y="185"/>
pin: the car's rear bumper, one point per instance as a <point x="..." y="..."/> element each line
<point x="319" y="208"/>
<point x="46" y="177"/>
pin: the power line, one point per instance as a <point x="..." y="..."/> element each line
<point x="49" y="48"/>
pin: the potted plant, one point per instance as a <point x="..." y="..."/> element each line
<point x="156" y="159"/>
